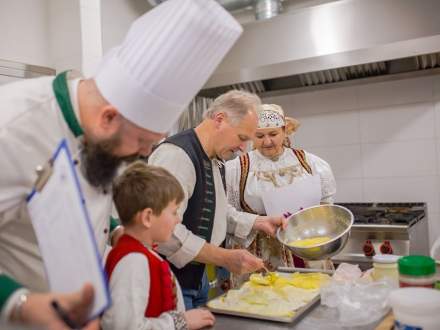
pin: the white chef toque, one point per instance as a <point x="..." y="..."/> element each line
<point x="167" y="56"/>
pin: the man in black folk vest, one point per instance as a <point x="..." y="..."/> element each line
<point x="195" y="157"/>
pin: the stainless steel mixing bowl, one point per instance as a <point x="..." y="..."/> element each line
<point x="333" y="221"/>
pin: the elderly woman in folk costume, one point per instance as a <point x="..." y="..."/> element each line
<point x="273" y="164"/>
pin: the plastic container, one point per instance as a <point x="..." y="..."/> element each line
<point x="385" y="267"/>
<point x="416" y="308"/>
<point x="416" y="271"/>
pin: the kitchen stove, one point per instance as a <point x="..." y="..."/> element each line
<point x="381" y="228"/>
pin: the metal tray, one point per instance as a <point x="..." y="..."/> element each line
<point x="298" y="313"/>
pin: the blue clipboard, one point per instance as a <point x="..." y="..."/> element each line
<point x="58" y="183"/>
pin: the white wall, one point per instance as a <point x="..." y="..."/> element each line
<point x="60" y="34"/>
<point x="65" y="34"/>
<point x="41" y="32"/>
<point x="7" y="80"/>
<point x="117" y="16"/>
<point x="24" y="27"/>
<point x="91" y="35"/>
<point x="382" y="140"/>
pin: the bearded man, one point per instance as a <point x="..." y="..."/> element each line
<point x="140" y="89"/>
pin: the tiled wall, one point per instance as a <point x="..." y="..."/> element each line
<point x="381" y="139"/>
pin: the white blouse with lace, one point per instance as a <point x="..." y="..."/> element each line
<point x="266" y="174"/>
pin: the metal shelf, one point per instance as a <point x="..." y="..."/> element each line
<point x="22" y="70"/>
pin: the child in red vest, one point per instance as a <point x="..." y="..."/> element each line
<point x="144" y="291"/>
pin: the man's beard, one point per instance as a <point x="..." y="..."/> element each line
<point x="99" y="164"/>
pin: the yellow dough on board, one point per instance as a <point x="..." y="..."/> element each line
<point x="272" y="295"/>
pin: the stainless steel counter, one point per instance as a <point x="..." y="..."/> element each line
<point x="320" y="317"/>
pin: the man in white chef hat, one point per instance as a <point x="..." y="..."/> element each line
<point x="139" y="91"/>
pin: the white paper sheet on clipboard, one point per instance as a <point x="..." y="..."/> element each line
<point x="294" y="197"/>
<point x="65" y="235"/>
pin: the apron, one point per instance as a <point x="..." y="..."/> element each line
<point x="269" y="249"/>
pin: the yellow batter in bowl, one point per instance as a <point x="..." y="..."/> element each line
<point x="309" y="242"/>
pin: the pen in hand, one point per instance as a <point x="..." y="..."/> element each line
<point x="62" y="314"/>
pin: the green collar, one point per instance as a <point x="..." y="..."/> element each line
<point x="8" y="287"/>
<point x="62" y="95"/>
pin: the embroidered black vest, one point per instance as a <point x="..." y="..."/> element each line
<point x="200" y="211"/>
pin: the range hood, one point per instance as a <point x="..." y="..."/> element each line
<point x="336" y="41"/>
